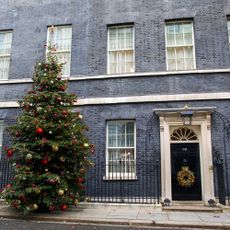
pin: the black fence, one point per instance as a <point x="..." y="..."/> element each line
<point x="222" y="161"/>
<point x="222" y="178"/>
<point x="6" y="173"/>
<point x="124" y="182"/>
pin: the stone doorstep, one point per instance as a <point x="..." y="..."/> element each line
<point x="192" y="208"/>
<point x="226" y="209"/>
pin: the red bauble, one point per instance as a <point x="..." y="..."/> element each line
<point x="44" y="161"/>
<point x="81" y="180"/>
<point x="82" y="188"/>
<point x="62" y="88"/>
<point x="9" y="153"/>
<point x="39" y="131"/>
<point x="63" y="207"/>
<point x="17" y="134"/>
<point x="64" y="112"/>
<point x="8" y="185"/>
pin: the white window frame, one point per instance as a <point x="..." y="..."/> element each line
<point x="117" y="175"/>
<point x="8" y="55"/>
<point x="1" y="135"/>
<point x="62" y="51"/>
<point x="175" y="46"/>
<point x="108" y="47"/>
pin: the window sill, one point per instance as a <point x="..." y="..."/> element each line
<point x="116" y="178"/>
<point x="128" y="75"/>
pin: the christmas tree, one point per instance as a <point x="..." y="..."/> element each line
<point x="50" y="153"/>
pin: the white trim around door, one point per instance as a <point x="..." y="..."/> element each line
<point x="201" y="122"/>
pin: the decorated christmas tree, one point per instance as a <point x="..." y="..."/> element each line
<point x="50" y="153"/>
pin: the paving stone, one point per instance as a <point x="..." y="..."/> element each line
<point x="184" y="216"/>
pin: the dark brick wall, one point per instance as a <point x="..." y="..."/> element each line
<point x="89" y="18"/>
<point x="147" y="142"/>
<point x="133" y="86"/>
<point x="29" y="21"/>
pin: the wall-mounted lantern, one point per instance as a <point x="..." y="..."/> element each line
<point x="186" y="117"/>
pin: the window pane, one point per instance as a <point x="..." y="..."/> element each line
<point x="170" y="29"/>
<point x="188" y="51"/>
<point x="121" y="151"/>
<point x="129" y="38"/>
<point x="113" y="61"/>
<point x="64" y="58"/>
<point x="5" y="43"/>
<point x="120" y="135"/>
<point x="172" y="64"/>
<point x="112" y="135"/>
<point x="130" y="134"/>
<point x="5" y="50"/>
<point x="113" y="155"/>
<point x="129" y="61"/>
<point x="189" y="63"/>
<point x="121" y="38"/>
<point x="170" y="39"/>
<point x="61" y="38"/>
<point x="112" y="39"/>
<point x="179" y="39"/>
<point x="187" y="27"/>
<point x="171" y="53"/>
<point x="1" y="136"/>
<point x="114" y="167"/>
<point x="180" y="52"/>
<point x="121" y="55"/>
<point x="180" y="64"/>
<point x="121" y="161"/>
<point x="4" y="67"/>
<point x="229" y="30"/>
<point x="188" y="38"/>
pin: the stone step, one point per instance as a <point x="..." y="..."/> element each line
<point x="188" y="203"/>
<point x="192" y="208"/>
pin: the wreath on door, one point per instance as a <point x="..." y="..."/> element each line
<point x="185" y="177"/>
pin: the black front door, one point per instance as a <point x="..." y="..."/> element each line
<point x="185" y="166"/>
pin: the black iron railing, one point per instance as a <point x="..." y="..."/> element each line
<point x="222" y="161"/>
<point x="117" y="184"/>
<point x="5" y="173"/>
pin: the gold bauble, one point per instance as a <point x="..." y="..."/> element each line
<point x="34" y="206"/>
<point x="55" y="148"/>
<point x="62" y="159"/>
<point x="60" y="192"/>
<point x="86" y="145"/>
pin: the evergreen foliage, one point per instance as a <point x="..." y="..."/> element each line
<point x="50" y="152"/>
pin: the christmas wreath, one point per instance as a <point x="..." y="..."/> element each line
<point x="185" y="177"/>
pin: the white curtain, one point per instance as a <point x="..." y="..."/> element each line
<point x="121" y="147"/>
<point x="5" y="50"/>
<point x="1" y="135"/>
<point x="61" y="38"/>
<point x="179" y="42"/>
<point x="121" y="55"/>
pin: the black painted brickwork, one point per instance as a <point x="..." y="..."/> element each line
<point x="89" y="18"/>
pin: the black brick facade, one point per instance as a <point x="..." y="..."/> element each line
<point x="89" y="20"/>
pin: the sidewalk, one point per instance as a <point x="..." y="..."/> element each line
<point x="135" y="215"/>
